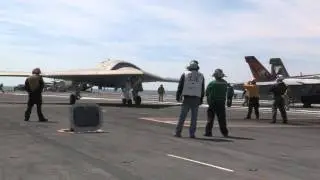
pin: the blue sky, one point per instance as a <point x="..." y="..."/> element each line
<point x="159" y="36"/>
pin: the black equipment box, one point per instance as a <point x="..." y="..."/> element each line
<point x="85" y="117"/>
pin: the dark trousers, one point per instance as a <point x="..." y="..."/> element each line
<point x="279" y="103"/>
<point x="229" y="101"/>
<point x="253" y="104"/>
<point x="161" y="97"/>
<point x="219" y="109"/>
<point x="34" y="100"/>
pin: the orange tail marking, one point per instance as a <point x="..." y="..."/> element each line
<point x="259" y="72"/>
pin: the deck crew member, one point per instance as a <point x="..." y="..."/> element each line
<point x="279" y="91"/>
<point x="161" y="93"/>
<point x="216" y="97"/>
<point x="230" y="95"/>
<point x="34" y="85"/>
<point x="191" y="88"/>
<point x="253" y="94"/>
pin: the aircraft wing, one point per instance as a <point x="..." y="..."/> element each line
<point x="311" y="76"/>
<point x="288" y="81"/>
<point x="14" y="73"/>
<point x="76" y="74"/>
<point x="149" y="77"/>
<point x="238" y="86"/>
<point x="123" y="73"/>
<point x="104" y="77"/>
<point x="291" y="81"/>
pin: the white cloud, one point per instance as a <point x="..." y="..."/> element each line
<point x="160" y="37"/>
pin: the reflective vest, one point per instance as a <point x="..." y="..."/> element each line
<point x="192" y="83"/>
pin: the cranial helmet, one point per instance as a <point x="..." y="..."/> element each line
<point x="253" y="81"/>
<point x="218" y="73"/>
<point x="193" y="65"/>
<point x="280" y="78"/>
<point x="36" y="71"/>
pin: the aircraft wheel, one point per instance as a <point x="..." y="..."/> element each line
<point x="124" y="101"/>
<point x="73" y="99"/>
<point x="138" y="100"/>
<point x="130" y="102"/>
<point x="307" y="105"/>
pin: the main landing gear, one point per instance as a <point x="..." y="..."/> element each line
<point x="127" y="99"/>
<point x="137" y="101"/>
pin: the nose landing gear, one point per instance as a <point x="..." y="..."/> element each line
<point x="137" y="100"/>
<point x="127" y="99"/>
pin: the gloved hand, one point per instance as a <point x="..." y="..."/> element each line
<point x="178" y="98"/>
<point x="208" y="101"/>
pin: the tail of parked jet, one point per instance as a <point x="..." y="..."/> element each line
<point x="259" y="72"/>
<point x="277" y="67"/>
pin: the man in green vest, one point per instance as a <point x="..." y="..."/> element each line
<point x="34" y="86"/>
<point x="216" y="97"/>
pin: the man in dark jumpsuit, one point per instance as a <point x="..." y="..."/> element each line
<point x="34" y="86"/>
<point x="279" y="91"/>
<point x="216" y="97"/>
<point x="230" y="94"/>
<point x="1" y="88"/>
<point x="161" y="93"/>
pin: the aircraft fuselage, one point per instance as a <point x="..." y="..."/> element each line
<point x="297" y="93"/>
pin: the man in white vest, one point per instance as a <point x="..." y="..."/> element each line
<point x="192" y="88"/>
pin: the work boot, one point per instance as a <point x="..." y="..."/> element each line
<point x="208" y="134"/>
<point x="192" y="136"/>
<point x="43" y="120"/>
<point x="26" y="119"/>
<point x="177" y="135"/>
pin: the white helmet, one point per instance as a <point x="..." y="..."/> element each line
<point x="194" y="65"/>
<point x="280" y="78"/>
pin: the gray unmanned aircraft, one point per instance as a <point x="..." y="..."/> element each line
<point x="111" y="73"/>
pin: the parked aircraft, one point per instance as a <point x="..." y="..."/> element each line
<point x="305" y="89"/>
<point x="260" y="73"/>
<point x="110" y="73"/>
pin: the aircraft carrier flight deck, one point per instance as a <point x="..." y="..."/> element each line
<point x="138" y="143"/>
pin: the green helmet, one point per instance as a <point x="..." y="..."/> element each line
<point x="36" y="71"/>
<point x="218" y="73"/>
